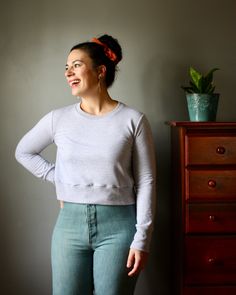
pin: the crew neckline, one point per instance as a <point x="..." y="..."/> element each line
<point x="91" y="116"/>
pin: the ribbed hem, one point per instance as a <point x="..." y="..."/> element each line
<point x="95" y="194"/>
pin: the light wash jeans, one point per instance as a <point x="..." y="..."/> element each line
<point x="90" y="246"/>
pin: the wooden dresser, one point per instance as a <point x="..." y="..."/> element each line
<point x="203" y="208"/>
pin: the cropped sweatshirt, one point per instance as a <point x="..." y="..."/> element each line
<point x="104" y="159"/>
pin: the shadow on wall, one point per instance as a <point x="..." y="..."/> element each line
<point x="164" y="101"/>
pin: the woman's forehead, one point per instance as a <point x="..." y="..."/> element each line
<point x="77" y="54"/>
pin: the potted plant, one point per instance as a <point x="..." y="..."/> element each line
<point x="201" y="97"/>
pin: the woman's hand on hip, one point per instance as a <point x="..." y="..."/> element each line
<point x="136" y="260"/>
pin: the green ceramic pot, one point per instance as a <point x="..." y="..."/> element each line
<point x="202" y="107"/>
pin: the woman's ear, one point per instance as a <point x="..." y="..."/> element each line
<point x="102" y="71"/>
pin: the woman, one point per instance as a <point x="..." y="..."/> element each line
<point x="104" y="175"/>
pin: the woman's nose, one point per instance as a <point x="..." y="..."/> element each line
<point x="69" y="72"/>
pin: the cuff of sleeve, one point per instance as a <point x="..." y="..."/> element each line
<point x="140" y="243"/>
<point x="50" y="175"/>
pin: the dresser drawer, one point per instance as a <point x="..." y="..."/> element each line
<point x="211" y="185"/>
<point x="211" y="218"/>
<point x="210" y="150"/>
<point x="210" y="290"/>
<point x="210" y="260"/>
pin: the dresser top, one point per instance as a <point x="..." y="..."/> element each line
<point x="201" y="124"/>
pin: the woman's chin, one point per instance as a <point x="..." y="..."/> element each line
<point x="75" y="93"/>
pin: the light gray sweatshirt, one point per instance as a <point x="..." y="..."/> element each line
<point x="101" y="159"/>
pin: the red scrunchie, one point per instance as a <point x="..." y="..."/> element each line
<point x="109" y="53"/>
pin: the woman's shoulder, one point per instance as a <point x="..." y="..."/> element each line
<point x="132" y="111"/>
<point x="134" y="115"/>
<point x="58" y="113"/>
<point x="63" y="109"/>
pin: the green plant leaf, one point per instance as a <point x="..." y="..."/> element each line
<point x="201" y="84"/>
<point x="209" y="88"/>
<point x="211" y="91"/>
<point x="205" y="85"/>
<point x="209" y="78"/>
<point x="187" y="89"/>
<point x="194" y="87"/>
<point x="210" y="73"/>
<point x="195" y="76"/>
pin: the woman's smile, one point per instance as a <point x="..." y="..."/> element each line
<point x="74" y="82"/>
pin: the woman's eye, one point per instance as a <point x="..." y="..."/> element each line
<point x="76" y="65"/>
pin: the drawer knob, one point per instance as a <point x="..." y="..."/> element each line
<point x="212" y="218"/>
<point x="220" y="150"/>
<point x="211" y="260"/>
<point x="211" y="183"/>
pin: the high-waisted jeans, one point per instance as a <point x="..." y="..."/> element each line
<point x="90" y="246"/>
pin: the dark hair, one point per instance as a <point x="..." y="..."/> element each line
<point x="97" y="54"/>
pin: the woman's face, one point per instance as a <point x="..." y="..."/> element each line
<point x="80" y="74"/>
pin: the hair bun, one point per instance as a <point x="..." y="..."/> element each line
<point x="113" y="44"/>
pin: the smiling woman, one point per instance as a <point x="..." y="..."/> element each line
<point x="105" y="178"/>
<point x="91" y="69"/>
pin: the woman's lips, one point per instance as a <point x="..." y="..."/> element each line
<point x="74" y="85"/>
<point x="74" y="82"/>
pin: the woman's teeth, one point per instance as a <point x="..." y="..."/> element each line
<point x="74" y="82"/>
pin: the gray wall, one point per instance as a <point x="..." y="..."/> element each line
<point x="160" y="40"/>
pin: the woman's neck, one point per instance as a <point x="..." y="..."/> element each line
<point x="98" y="105"/>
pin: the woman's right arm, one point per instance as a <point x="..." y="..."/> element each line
<point x="28" y="149"/>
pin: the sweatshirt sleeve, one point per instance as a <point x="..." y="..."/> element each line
<point x="28" y="149"/>
<point x="144" y="172"/>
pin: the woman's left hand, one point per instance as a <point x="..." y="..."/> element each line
<point x="137" y="260"/>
